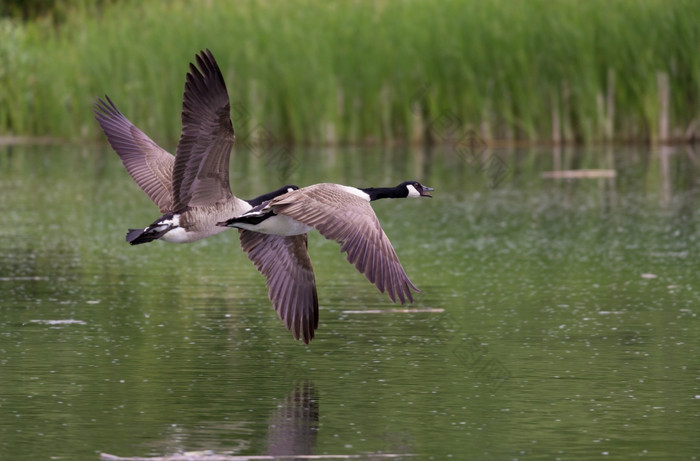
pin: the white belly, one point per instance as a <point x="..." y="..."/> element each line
<point x="278" y="225"/>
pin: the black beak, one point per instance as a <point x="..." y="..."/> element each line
<point x="425" y="191"/>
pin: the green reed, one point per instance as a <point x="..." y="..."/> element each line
<point x="312" y="71"/>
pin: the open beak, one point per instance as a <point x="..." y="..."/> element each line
<point x="425" y="191"/>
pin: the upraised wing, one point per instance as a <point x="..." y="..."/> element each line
<point x="285" y="262"/>
<point x="149" y="165"/>
<point x="200" y="175"/>
<point x="350" y="220"/>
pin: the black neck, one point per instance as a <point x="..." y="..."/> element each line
<point x="375" y="193"/>
<point x="269" y="196"/>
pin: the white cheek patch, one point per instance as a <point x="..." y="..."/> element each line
<point x="412" y="191"/>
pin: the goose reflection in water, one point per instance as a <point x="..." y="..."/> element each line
<point x="292" y="429"/>
<point x="293" y="426"/>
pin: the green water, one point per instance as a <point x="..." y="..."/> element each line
<point x="564" y="320"/>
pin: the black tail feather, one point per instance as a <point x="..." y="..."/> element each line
<point x="138" y="236"/>
<point x="159" y="228"/>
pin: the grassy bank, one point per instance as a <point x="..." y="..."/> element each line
<point x="312" y="71"/>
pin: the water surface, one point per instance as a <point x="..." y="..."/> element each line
<point x="560" y="316"/>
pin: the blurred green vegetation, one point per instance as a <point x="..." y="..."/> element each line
<point x="56" y="10"/>
<point x="311" y="71"/>
<point x="27" y="9"/>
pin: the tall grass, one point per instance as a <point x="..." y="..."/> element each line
<point x="348" y="71"/>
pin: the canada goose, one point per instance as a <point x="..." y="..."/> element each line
<point x="192" y="188"/>
<point x="274" y="235"/>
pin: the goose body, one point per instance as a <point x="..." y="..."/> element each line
<point x="274" y="235"/>
<point x="191" y="189"/>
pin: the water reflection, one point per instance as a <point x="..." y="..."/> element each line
<point x="292" y="429"/>
<point x="293" y="426"/>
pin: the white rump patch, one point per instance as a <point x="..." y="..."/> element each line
<point x="177" y="235"/>
<point x="175" y="221"/>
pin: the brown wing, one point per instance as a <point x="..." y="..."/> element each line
<point x="350" y="220"/>
<point x="149" y="165"/>
<point x="285" y="262"/>
<point x="200" y="175"/>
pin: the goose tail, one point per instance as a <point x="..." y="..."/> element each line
<point x="138" y="236"/>
<point x="162" y="226"/>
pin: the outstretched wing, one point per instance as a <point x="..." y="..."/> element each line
<point x="350" y="220"/>
<point x="149" y="165"/>
<point x="200" y="175"/>
<point x="285" y="262"/>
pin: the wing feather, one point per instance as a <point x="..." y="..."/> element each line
<point x="350" y="220"/>
<point x="285" y="263"/>
<point x="201" y="171"/>
<point x="150" y="166"/>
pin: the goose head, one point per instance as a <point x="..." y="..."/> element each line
<point x="415" y="189"/>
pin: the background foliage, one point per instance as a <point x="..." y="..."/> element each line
<point x="312" y="71"/>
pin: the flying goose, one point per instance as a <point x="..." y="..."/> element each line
<point x="274" y="235"/>
<point x="192" y="188"/>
